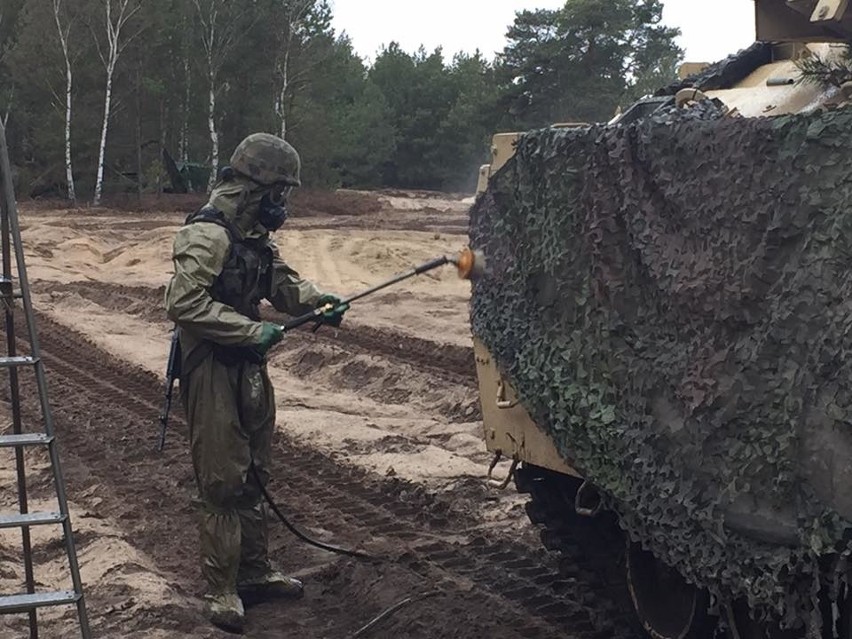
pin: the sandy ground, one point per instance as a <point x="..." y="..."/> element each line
<point x="341" y="403"/>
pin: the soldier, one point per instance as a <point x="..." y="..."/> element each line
<point x="224" y="264"/>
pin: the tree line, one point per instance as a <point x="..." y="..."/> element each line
<point x="150" y="95"/>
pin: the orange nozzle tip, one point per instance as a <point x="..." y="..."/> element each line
<point x="465" y="263"/>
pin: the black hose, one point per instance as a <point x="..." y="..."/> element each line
<point x="298" y="533"/>
<point x="340" y="551"/>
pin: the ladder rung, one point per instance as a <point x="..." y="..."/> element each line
<point x="7" y="362"/>
<point x="24" y="439"/>
<point x="30" y="519"/>
<point x="25" y="602"/>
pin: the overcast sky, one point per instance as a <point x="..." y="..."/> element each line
<point x="711" y="30"/>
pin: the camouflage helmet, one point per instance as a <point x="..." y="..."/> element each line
<point x="267" y="159"/>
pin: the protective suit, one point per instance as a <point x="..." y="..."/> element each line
<point x="224" y="264"/>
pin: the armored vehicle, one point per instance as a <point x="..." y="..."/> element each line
<point x="663" y="340"/>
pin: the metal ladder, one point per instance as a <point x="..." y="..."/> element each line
<point x="29" y="601"/>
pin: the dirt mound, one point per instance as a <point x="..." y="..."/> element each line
<point x="304" y="202"/>
<point x="423" y="194"/>
<point x="318" y="203"/>
<point x="120" y="202"/>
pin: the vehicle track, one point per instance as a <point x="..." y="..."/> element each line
<point x="433" y="538"/>
<point x="595" y="544"/>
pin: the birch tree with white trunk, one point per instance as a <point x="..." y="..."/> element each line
<point x="299" y="21"/>
<point x="117" y="13"/>
<point x="63" y="28"/>
<point x="221" y="29"/>
<point x="294" y="12"/>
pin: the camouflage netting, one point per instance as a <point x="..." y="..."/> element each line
<point x="672" y="301"/>
<point x="725" y="73"/>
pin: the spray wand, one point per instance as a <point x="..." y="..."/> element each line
<point x="469" y="263"/>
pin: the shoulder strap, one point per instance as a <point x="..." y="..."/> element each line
<point x="213" y="215"/>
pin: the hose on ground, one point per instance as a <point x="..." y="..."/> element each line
<point x="298" y="533"/>
<point x="340" y="551"/>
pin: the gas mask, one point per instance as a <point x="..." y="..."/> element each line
<point x="272" y="212"/>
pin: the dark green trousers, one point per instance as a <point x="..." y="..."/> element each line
<point x="231" y="414"/>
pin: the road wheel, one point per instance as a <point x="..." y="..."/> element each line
<point x="667" y="606"/>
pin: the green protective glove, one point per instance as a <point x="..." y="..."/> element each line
<point x="270" y="335"/>
<point x="333" y="316"/>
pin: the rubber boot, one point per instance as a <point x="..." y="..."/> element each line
<point x="257" y="580"/>
<point x="226" y="611"/>
<point x="273" y="584"/>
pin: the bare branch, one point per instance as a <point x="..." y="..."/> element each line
<point x="57" y="99"/>
<point x="97" y="44"/>
<point x="9" y="107"/>
<point x="132" y="38"/>
<point x="218" y="34"/>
